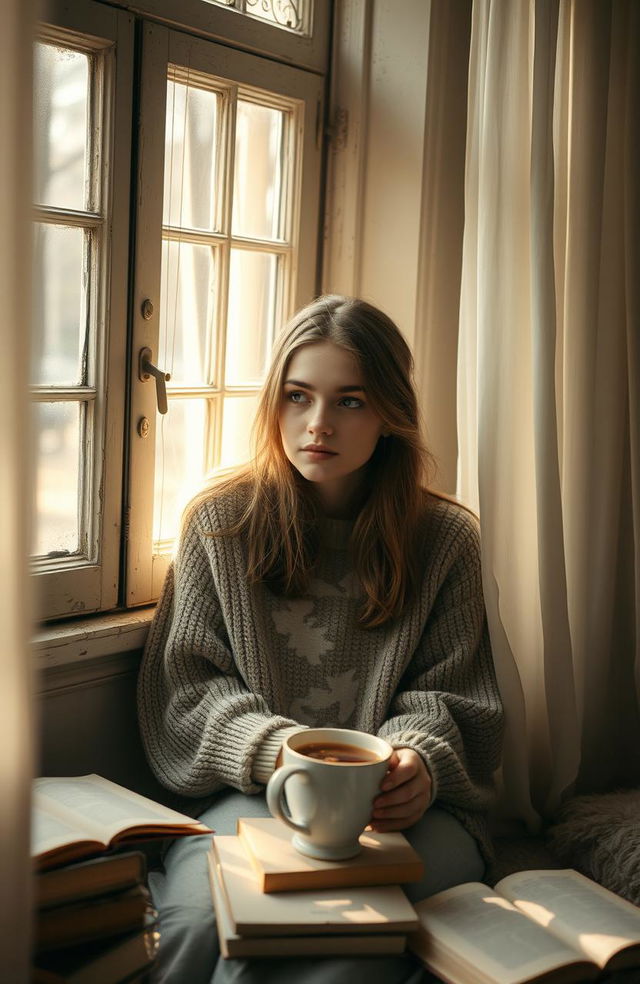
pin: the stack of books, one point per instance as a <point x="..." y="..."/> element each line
<point x="95" y="923"/>
<point x="270" y="900"/>
<point x="533" y="927"/>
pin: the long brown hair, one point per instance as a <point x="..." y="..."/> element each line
<point x="280" y="517"/>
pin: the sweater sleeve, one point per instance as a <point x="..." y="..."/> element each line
<point x="448" y="706"/>
<point x="202" y="728"/>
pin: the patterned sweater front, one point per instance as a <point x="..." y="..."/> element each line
<point x="230" y="668"/>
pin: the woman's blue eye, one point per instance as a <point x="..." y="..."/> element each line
<point x="351" y="402"/>
<point x="296" y="396"/>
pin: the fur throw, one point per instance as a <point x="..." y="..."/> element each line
<point x="600" y="836"/>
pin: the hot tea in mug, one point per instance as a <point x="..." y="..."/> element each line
<point x="329" y="779"/>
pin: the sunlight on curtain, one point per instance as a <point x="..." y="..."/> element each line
<point x="547" y="385"/>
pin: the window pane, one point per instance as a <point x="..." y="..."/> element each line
<point x="237" y="420"/>
<point x="292" y="15"/>
<point x="283" y="13"/>
<point x="257" y="187"/>
<point x="182" y="436"/>
<point x="191" y="167"/>
<point x="251" y="318"/>
<point x="61" y="91"/>
<point x="57" y="436"/>
<point x="188" y="315"/>
<point x="59" y="305"/>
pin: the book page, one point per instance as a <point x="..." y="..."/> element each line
<point x="576" y="909"/>
<point x="49" y="832"/>
<point x="99" y="809"/>
<point x="473" y="926"/>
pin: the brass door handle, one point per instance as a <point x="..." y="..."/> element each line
<point x="146" y="369"/>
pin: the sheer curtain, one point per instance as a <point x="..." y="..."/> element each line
<point x="548" y="384"/>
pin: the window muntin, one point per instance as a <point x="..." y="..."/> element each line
<point x="226" y="271"/>
<point x="69" y="221"/>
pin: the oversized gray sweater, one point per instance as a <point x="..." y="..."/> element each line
<point x="230" y="669"/>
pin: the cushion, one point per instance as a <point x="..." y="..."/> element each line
<point x="599" y="835"/>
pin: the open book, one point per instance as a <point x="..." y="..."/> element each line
<point x="75" y="817"/>
<point x="552" y="926"/>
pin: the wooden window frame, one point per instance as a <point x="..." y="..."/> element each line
<point x="248" y="33"/>
<point x="161" y="48"/>
<point x="91" y="585"/>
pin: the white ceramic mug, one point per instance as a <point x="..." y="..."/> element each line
<point x="329" y="803"/>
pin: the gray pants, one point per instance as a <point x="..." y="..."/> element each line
<point x="189" y="951"/>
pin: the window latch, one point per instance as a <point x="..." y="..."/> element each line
<point x="146" y="369"/>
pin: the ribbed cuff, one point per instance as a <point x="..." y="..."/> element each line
<point x="264" y="762"/>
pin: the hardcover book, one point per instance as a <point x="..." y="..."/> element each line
<point x="551" y="926"/>
<point x="86" y="879"/>
<point x="278" y="867"/>
<point x="94" y="919"/>
<point x="98" y="963"/>
<point x="233" y="945"/>
<point x="379" y="909"/>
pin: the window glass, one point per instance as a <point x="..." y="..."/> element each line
<point x="188" y="312"/>
<point x="191" y="157"/>
<point x="58" y="355"/>
<point x="237" y="420"/>
<point x="182" y="439"/>
<point x="61" y="108"/>
<point x="206" y="274"/>
<point x="57" y="437"/>
<point x="258" y="171"/>
<point x="253" y="279"/>
<point x="291" y="15"/>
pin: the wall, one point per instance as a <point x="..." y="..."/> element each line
<point x="90" y="725"/>
<point x="395" y="195"/>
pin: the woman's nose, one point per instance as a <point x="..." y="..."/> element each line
<point x="320" y="422"/>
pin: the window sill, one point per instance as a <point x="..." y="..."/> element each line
<point x="89" y="649"/>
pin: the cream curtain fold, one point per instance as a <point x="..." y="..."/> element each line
<point x="548" y="377"/>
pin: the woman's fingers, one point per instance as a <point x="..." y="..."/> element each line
<point x="399" y="807"/>
<point x="401" y="768"/>
<point x="405" y="793"/>
<point x="389" y="826"/>
<point x="400" y="794"/>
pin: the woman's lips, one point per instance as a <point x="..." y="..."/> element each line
<point x="319" y="454"/>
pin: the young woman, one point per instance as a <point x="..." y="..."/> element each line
<point x="323" y="586"/>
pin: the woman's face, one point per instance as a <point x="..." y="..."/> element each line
<point x="328" y="429"/>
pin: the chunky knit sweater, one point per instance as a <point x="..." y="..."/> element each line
<point x="230" y="668"/>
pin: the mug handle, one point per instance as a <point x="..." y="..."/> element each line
<point x="275" y="796"/>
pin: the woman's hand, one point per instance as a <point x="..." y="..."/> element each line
<point x="405" y="792"/>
